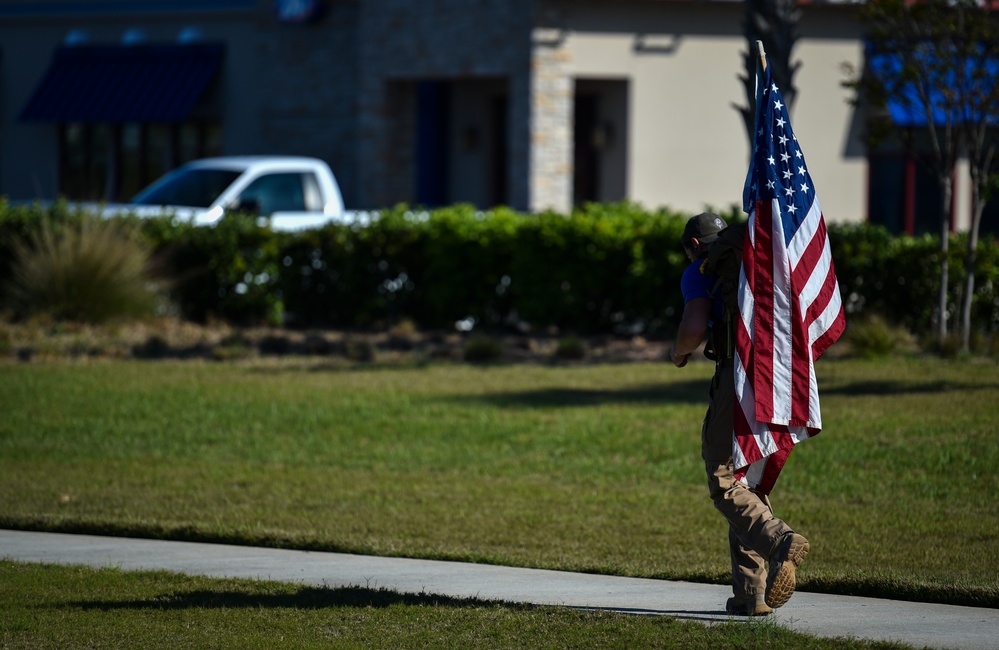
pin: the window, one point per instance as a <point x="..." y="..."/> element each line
<point x="112" y="162"/>
<point x="196" y="188"/>
<point x="283" y="192"/>
<point x="904" y="194"/>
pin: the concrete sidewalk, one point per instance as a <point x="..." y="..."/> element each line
<point x="935" y="626"/>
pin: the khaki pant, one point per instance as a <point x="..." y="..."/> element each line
<point x="753" y="529"/>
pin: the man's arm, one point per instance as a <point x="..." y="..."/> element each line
<point x="693" y="329"/>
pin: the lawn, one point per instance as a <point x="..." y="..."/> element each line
<point x="591" y="467"/>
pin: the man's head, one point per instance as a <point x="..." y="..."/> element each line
<point x="700" y="231"/>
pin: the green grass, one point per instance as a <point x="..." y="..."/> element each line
<point x="73" y="607"/>
<point x="592" y="468"/>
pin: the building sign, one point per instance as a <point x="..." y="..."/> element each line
<point x="299" y="11"/>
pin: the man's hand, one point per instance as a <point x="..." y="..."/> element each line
<point x="678" y="360"/>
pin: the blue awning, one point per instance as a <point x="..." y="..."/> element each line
<point x="907" y="109"/>
<point x="127" y="83"/>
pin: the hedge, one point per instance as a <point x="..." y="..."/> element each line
<point x="604" y="269"/>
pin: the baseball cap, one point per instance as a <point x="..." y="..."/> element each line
<point x="703" y="227"/>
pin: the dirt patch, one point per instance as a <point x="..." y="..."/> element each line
<point x="174" y="339"/>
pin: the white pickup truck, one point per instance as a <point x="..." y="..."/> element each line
<point x="290" y="192"/>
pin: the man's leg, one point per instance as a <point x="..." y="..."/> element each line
<point x="749" y="580"/>
<point x="752" y="522"/>
<point x="750" y="518"/>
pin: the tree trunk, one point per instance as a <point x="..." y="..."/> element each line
<point x="970" y="260"/>
<point x="944" y="265"/>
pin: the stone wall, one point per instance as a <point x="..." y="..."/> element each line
<point x="344" y="90"/>
<point x="402" y="42"/>
<point x="308" y="78"/>
<point x="551" y="113"/>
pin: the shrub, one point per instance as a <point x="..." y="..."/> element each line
<point x="571" y="348"/>
<point x="481" y="348"/>
<point x="874" y="337"/>
<point x="87" y="270"/>
<point x="359" y="350"/>
<point x="228" y="271"/>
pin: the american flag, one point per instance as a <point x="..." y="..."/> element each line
<point x="789" y="301"/>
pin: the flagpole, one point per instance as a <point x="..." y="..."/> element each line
<point x="761" y="67"/>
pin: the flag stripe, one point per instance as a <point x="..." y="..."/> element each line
<point x="801" y="370"/>
<point x="763" y="324"/>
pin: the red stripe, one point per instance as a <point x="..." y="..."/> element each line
<point x="775" y="463"/>
<point x="801" y="362"/>
<point x="831" y="335"/>
<point x="763" y="328"/>
<point x="782" y="436"/>
<point x="810" y="257"/>
<point x="825" y="295"/>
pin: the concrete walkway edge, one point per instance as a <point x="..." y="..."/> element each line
<point x="918" y="624"/>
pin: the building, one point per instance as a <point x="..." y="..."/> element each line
<point x="536" y="104"/>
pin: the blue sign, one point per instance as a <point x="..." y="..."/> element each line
<point x="298" y="11"/>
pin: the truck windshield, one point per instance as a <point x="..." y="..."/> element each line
<point x="194" y="187"/>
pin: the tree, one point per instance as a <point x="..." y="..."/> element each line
<point x="975" y="92"/>
<point x="937" y="62"/>
<point x="775" y="23"/>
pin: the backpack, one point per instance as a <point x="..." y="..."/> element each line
<point x="724" y="259"/>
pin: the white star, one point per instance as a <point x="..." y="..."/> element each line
<point x="784" y="157"/>
<point x="777" y="104"/>
<point x="797" y="153"/>
<point x="781" y="122"/>
<point x="774" y="87"/>
<point x="804" y="187"/>
<point x="771" y="160"/>
<point x="792" y="208"/>
<point x="770" y="184"/>
<point x="788" y="191"/>
<point x="760" y="132"/>
<point x="801" y="171"/>
<point x="783" y="139"/>
<point x="787" y="174"/>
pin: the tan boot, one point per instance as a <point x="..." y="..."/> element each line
<point x="784" y="561"/>
<point x="748" y="606"/>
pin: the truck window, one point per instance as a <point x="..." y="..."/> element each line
<point x="283" y="192"/>
<point x="196" y="188"/>
<point x="313" y="195"/>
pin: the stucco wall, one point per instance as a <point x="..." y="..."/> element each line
<point x="687" y="145"/>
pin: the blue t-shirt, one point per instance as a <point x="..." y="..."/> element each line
<point x="695" y="284"/>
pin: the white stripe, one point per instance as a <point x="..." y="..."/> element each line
<point x="825" y="320"/>
<point x="798" y="434"/>
<point x="747" y="403"/>
<point x="813" y="285"/>
<point x="754" y="474"/>
<point x="806" y="230"/>
<point x="783" y="340"/>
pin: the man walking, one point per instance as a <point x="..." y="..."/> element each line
<point x="755" y="534"/>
